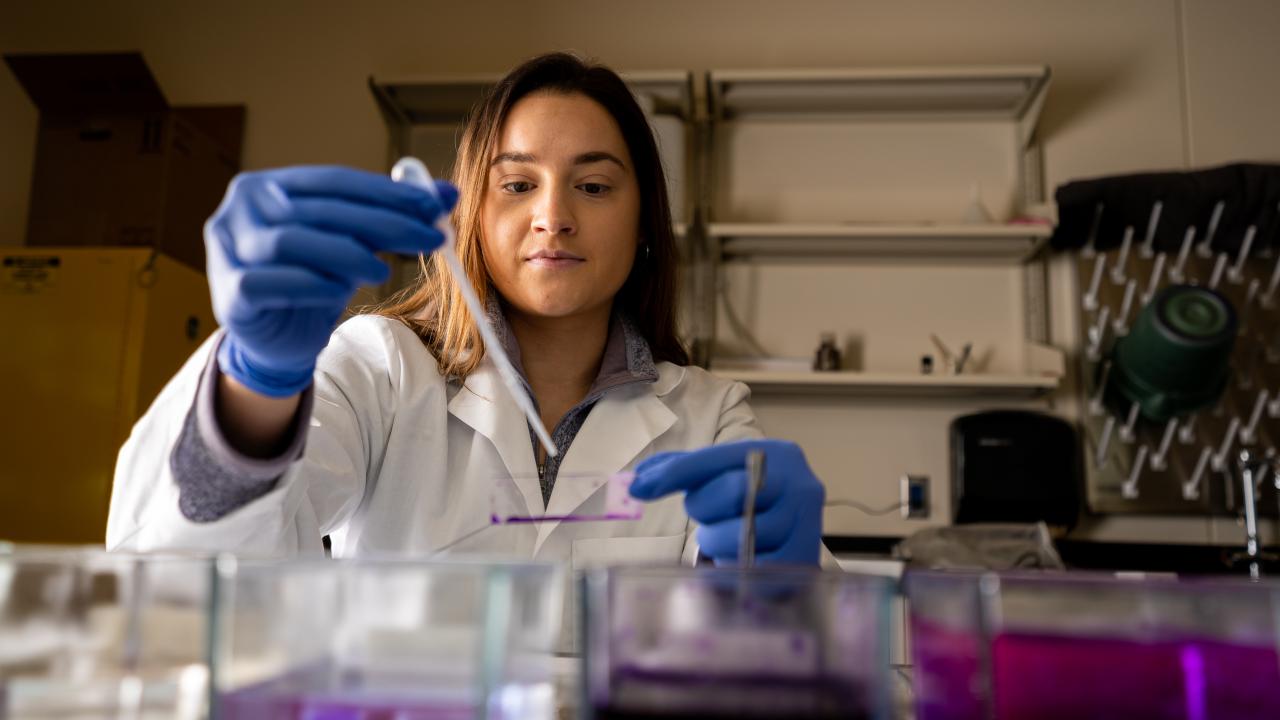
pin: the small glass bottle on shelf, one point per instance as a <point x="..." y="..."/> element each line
<point x="827" y="357"/>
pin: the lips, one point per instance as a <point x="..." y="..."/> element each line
<point x="554" y="259"/>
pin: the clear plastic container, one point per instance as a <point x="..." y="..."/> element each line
<point x="1049" y="646"/>
<point x="711" y="643"/>
<point x="398" y="639"/>
<point x="87" y="634"/>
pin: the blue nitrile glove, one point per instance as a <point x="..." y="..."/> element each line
<point x="714" y="479"/>
<point x="287" y="249"/>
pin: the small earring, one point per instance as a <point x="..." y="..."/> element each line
<point x="646" y="251"/>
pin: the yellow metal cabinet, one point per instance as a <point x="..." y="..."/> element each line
<point x="88" y="337"/>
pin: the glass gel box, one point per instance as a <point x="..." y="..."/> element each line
<point x="394" y="639"/>
<point x="1050" y="646"/>
<point x="87" y="634"/>
<point x="712" y="643"/>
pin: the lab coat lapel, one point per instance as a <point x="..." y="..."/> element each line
<point x="485" y="405"/>
<point x="620" y="426"/>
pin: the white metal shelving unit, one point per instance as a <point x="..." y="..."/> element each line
<point x="1044" y="376"/>
<point x="906" y="385"/>
<point x="880" y="101"/>
<point x="984" y="92"/>
<point x="948" y="243"/>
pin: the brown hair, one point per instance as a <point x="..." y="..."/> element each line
<point x="433" y="307"/>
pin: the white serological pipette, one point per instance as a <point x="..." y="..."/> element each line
<point x="414" y="172"/>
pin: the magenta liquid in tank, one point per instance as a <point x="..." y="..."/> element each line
<point x="1193" y="679"/>
<point x="1049" y="677"/>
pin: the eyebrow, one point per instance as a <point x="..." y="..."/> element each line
<point x="585" y="158"/>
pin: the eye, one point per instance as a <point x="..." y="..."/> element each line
<point x="517" y="187"/>
<point x="594" y="188"/>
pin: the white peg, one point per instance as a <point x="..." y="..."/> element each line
<point x="1129" y="490"/>
<point x="1149" y="245"/>
<point x="1187" y="433"/>
<point x="1098" y="335"/>
<point x="1220" y="460"/>
<point x="1237" y="271"/>
<point x="1091" y="245"/>
<point x="1117" y="270"/>
<point x="1095" y="402"/>
<point x="1249" y="434"/>
<point x="1091" y="297"/>
<point x="1191" y="488"/>
<point x="1205" y="249"/>
<point x="1127" y="431"/>
<point x="1121" y="322"/>
<point x="1104" y="443"/>
<point x="1218" y="268"/>
<point x="1269" y="296"/>
<point x="1246" y="312"/>
<point x="1157" y="272"/>
<point x="1158" y="459"/>
<point x="1188" y="240"/>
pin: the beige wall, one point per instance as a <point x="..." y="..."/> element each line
<point x="1232" y="56"/>
<point x="1138" y="84"/>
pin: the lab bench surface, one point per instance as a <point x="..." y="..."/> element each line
<point x="1182" y="559"/>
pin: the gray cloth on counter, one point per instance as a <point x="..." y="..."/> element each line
<point x="214" y="479"/>
<point x="981" y="547"/>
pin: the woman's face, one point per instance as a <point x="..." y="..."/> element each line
<point x="561" y="208"/>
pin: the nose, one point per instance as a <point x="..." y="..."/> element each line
<point x="553" y="214"/>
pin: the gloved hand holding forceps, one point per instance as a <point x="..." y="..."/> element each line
<point x="788" y="506"/>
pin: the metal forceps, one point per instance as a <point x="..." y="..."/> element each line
<point x="747" y="536"/>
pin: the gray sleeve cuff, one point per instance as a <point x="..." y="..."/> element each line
<point x="214" y="479"/>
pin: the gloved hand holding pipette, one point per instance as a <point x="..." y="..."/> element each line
<point x="788" y="506"/>
<point x="287" y="249"/>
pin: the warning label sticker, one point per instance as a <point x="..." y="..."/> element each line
<point x="28" y="273"/>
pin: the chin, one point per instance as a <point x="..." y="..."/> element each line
<point x="556" y="308"/>
<point x="555" y="311"/>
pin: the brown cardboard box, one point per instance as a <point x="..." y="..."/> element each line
<point x="115" y="164"/>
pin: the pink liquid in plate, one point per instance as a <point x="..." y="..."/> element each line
<point x="1048" y="677"/>
<point x="1193" y="679"/>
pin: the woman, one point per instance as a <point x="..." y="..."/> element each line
<point x="391" y="438"/>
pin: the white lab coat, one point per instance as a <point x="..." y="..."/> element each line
<point x="398" y="461"/>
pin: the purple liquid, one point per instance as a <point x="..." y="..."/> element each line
<point x="637" y="693"/>
<point x="322" y="694"/>
<point x="947" y="673"/>
<point x="1050" y="677"/>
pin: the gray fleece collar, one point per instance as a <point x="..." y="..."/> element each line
<point x="627" y="357"/>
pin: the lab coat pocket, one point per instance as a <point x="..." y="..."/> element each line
<point x="592" y="553"/>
